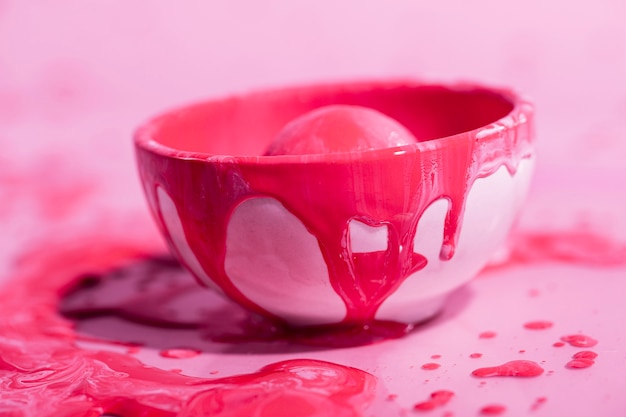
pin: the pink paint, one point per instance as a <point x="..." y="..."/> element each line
<point x="579" y="340"/>
<point x="339" y="128"/>
<point x="487" y="335"/>
<point x="437" y="399"/>
<point x="45" y="372"/>
<point x="493" y="410"/>
<point x="476" y="355"/>
<point x="180" y="353"/>
<point x="430" y="366"/>
<point x="517" y="368"/>
<point x="538" y="325"/>
<point x="199" y="148"/>
<point x="558" y="344"/>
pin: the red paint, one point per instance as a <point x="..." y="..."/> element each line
<point x="533" y="292"/>
<point x="582" y="359"/>
<point x="339" y="128"/>
<point x="435" y="356"/>
<point x="476" y="355"/>
<point x="180" y="353"/>
<point x="45" y="373"/>
<point x="579" y="340"/>
<point x="431" y="366"/>
<point x="538" y="403"/>
<point x="558" y="344"/>
<point x="437" y="399"/>
<point x="518" y="368"/>
<point x="487" y="335"/>
<point x="585" y="354"/>
<point x="579" y="363"/>
<point x="538" y="325"/>
<point x="576" y="246"/>
<point x="493" y="410"/>
<point x="213" y="148"/>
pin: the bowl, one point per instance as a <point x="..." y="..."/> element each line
<point x="348" y="237"/>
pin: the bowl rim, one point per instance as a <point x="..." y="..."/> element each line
<point x="522" y="112"/>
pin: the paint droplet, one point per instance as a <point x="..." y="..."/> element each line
<point x="435" y="356"/>
<point x="538" y="325"/>
<point x="585" y="354"/>
<point x="538" y="403"/>
<point x="558" y="344"/>
<point x="179" y="353"/>
<point x="430" y="366"/>
<point x="522" y="351"/>
<point x="519" y="368"/>
<point x="392" y="397"/>
<point x="582" y="359"/>
<point x="493" y="410"/>
<point x="534" y="292"/>
<point x="579" y="340"/>
<point x="476" y="355"/>
<point x="437" y="399"/>
<point x="487" y="335"/>
<point x="579" y="363"/>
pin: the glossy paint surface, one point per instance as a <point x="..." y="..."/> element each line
<point x="76" y="79"/>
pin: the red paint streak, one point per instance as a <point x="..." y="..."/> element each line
<point x="431" y="366"/>
<point x="487" y="335"/>
<point x="538" y="325"/>
<point x="437" y="399"/>
<point x="518" y="368"/>
<point x="375" y="187"/>
<point x="558" y="344"/>
<point x="45" y="373"/>
<point x="579" y="340"/>
<point x="493" y="410"/>
<point x="180" y="353"/>
<point x="476" y="355"/>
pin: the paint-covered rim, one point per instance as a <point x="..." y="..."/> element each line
<point x="520" y="111"/>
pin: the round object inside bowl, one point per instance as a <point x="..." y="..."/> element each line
<point x="347" y="237"/>
<point x="339" y="128"/>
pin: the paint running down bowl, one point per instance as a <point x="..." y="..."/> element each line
<point x="346" y="237"/>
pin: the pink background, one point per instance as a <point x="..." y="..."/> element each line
<point x="76" y="77"/>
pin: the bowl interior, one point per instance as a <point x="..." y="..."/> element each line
<point x="246" y="125"/>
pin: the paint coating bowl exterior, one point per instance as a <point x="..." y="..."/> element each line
<point x="351" y="237"/>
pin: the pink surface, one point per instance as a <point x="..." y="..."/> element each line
<point x="76" y="78"/>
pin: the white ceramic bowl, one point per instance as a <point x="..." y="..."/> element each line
<point x="342" y="238"/>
